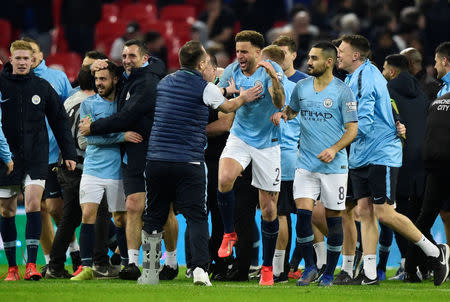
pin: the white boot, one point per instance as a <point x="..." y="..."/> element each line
<point x="201" y="277"/>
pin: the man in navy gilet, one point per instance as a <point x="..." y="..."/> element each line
<point x="176" y="170"/>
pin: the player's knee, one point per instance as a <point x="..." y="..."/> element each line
<point x="226" y="181"/>
<point x="134" y="205"/>
<point x="55" y="211"/>
<point x="365" y="212"/>
<point x="269" y="213"/>
<point x="7" y="211"/>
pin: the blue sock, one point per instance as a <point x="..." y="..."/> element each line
<point x="255" y="247"/>
<point x="334" y="243"/>
<point x="386" y="237"/>
<point x="87" y="239"/>
<point x="225" y="202"/>
<point x="122" y="243"/>
<point x="33" y="235"/>
<point x="269" y="231"/>
<point x="9" y="234"/>
<point x="305" y="236"/>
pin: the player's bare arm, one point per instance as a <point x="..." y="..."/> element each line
<point x="327" y="155"/>
<point x="276" y="91"/>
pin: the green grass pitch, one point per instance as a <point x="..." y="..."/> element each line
<point x="181" y="289"/>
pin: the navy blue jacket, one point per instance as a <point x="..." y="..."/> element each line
<point x="179" y="128"/>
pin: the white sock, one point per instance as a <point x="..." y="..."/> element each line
<point x="427" y="247"/>
<point x="133" y="257"/>
<point x="321" y="253"/>
<point x="278" y="262"/>
<point x="47" y="259"/>
<point x="370" y="266"/>
<point x="402" y="263"/>
<point x="171" y="259"/>
<point x="73" y="246"/>
<point x="347" y="264"/>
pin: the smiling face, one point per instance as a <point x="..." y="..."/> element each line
<point x="21" y="61"/>
<point x="132" y="58"/>
<point x="105" y="83"/>
<point x="38" y="56"/>
<point x="247" y="56"/>
<point x="317" y="62"/>
<point x="346" y="57"/>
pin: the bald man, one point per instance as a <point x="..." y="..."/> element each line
<point x="428" y="84"/>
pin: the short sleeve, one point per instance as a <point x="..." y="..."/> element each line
<point x="294" y="103"/>
<point x="212" y="96"/>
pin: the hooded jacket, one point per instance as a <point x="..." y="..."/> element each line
<point x="26" y="101"/>
<point x="412" y="104"/>
<point x="135" y="111"/>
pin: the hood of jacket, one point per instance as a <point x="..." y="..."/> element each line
<point x="405" y="85"/>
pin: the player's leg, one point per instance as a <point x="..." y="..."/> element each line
<point x="266" y="176"/>
<point x="8" y="231"/>
<point x="306" y="189"/>
<point x="92" y="190"/>
<point x="320" y="228"/>
<point x="33" y="197"/>
<point x="401" y="224"/>
<point x="348" y="244"/>
<point x="234" y="159"/>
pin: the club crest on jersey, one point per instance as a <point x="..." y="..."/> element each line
<point x="327" y="103"/>
<point x="128" y="96"/>
<point x="258" y="83"/>
<point x="35" y="99"/>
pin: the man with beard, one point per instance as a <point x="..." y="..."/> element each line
<point x="442" y="65"/>
<point x="135" y="109"/>
<point x="253" y="139"/>
<point x="102" y="172"/>
<point x="328" y="124"/>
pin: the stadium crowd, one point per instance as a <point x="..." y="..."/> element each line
<point x="333" y="111"/>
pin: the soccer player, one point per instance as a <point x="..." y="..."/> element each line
<point x="102" y="172"/>
<point x="442" y="60"/>
<point x="286" y="203"/>
<point x="52" y="202"/>
<point x="175" y="171"/>
<point x="328" y="124"/>
<point x="253" y="138"/>
<point x="135" y="110"/>
<point x="375" y="157"/>
<point x="27" y="101"/>
<point x="289" y="137"/>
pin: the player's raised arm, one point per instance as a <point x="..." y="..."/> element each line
<point x="276" y="90"/>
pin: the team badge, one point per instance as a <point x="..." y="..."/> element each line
<point x="258" y="83"/>
<point x="128" y="96"/>
<point x="36" y="99"/>
<point x="327" y="103"/>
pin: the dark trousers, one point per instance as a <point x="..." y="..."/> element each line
<point x="71" y="219"/>
<point x="436" y="193"/>
<point x="184" y="185"/>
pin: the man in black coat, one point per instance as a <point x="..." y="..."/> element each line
<point x="26" y="101"/>
<point x="412" y="104"/>
<point x="135" y="112"/>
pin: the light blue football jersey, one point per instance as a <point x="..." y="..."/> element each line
<point x="102" y="158"/>
<point x="323" y="116"/>
<point x="290" y="134"/>
<point x="252" y="121"/>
